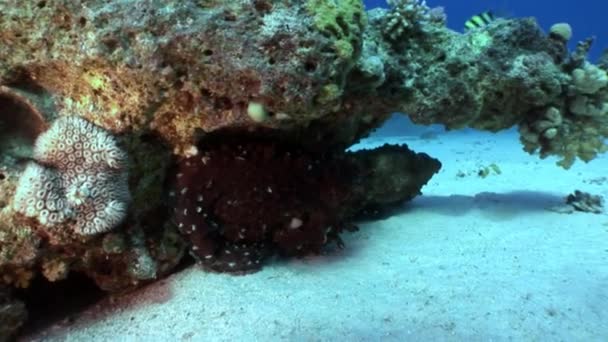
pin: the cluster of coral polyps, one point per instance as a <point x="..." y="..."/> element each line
<point x="78" y="174"/>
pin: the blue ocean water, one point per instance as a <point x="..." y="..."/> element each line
<point x="587" y="17"/>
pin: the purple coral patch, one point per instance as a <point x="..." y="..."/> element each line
<point x="239" y="202"/>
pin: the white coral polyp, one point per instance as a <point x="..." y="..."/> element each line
<point x="78" y="192"/>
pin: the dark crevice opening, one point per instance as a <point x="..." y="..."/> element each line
<point x="49" y="303"/>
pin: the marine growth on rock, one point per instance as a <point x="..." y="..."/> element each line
<point x="239" y="201"/>
<point x="319" y="74"/>
<point x="77" y="178"/>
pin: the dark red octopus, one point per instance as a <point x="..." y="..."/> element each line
<point x="241" y="201"/>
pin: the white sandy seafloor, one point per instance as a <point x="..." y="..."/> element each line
<point x="473" y="259"/>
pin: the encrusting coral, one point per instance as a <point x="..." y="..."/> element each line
<point x="235" y="200"/>
<point x="79" y="174"/>
<point x="409" y="17"/>
<point x="241" y="200"/>
<point x="576" y="124"/>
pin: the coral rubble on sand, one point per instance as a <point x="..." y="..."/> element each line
<point x="255" y="102"/>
